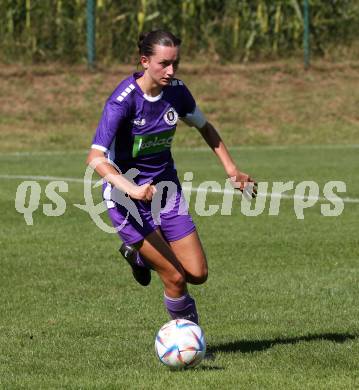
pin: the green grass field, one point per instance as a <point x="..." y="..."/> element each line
<point x="280" y="308"/>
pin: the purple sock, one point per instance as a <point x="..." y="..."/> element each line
<point x="182" y="307"/>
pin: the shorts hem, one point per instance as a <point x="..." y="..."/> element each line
<point x="182" y="235"/>
<point x="140" y="237"/>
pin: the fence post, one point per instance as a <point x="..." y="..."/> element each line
<point x="91" y="28"/>
<point x="306" y="44"/>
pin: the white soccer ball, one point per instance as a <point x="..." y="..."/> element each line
<point x="180" y="344"/>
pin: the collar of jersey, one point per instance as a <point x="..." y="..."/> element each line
<point x="144" y="95"/>
<point x="153" y="98"/>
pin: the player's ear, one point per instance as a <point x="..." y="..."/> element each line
<point x="145" y="61"/>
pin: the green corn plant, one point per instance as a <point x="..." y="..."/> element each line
<point x="262" y="17"/>
<point x="229" y="29"/>
<point x="277" y="26"/>
<point x="236" y="30"/>
<point x="141" y="14"/>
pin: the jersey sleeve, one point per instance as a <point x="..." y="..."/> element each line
<point x="191" y="114"/>
<point x="195" y="119"/>
<point x="113" y="116"/>
<point x="188" y="102"/>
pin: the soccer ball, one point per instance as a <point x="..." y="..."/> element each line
<point x="180" y="344"/>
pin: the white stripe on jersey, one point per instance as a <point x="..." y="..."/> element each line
<point x="107" y="192"/>
<point x="111" y="153"/>
<point x="124" y="93"/>
<point x="99" y="147"/>
<point x="176" y="82"/>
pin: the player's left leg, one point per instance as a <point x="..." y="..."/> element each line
<point x="190" y="254"/>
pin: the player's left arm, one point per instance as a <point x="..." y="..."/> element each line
<point x="239" y="179"/>
<point x="193" y="116"/>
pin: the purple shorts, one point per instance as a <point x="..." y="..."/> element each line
<point x="167" y="211"/>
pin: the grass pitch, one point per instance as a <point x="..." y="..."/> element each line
<point x="280" y="308"/>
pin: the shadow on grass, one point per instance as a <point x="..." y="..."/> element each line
<point x="209" y="368"/>
<point x="248" y="346"/>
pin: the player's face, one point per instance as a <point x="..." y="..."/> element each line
<point x="162" y="65"/>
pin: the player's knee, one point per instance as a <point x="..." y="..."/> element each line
<point x="200" y="277"/>
<point x="177" y="281"/>
<point x="204" y="276"/>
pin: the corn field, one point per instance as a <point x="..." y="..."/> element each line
<point x="225" y="30"/>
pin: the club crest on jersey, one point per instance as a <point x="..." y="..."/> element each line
<point x="139" y="122"/>
<point x="171" y="117"/>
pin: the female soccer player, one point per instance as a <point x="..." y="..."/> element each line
<point x="135" y="131"/>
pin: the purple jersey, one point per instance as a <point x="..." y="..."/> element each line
<point x="136" y="130"/>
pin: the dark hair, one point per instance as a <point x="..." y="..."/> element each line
<point x="147" y="41"/>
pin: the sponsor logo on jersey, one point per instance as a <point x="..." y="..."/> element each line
<point x="171" y="117"/>
<point x="152" y="143"/>
<point x="139" y="122"/>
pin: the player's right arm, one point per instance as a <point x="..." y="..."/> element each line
<point x="97" y="161"/>
<point x="113" y="116"/>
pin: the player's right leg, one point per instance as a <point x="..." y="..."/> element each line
<point x="129" y="235"/>
<point x="140" y="270"/>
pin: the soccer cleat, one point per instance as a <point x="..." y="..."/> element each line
<point x="141" y="274"/>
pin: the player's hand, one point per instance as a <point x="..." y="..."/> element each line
<point x="143" y="192"/>
<point x="244" y="183"/>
